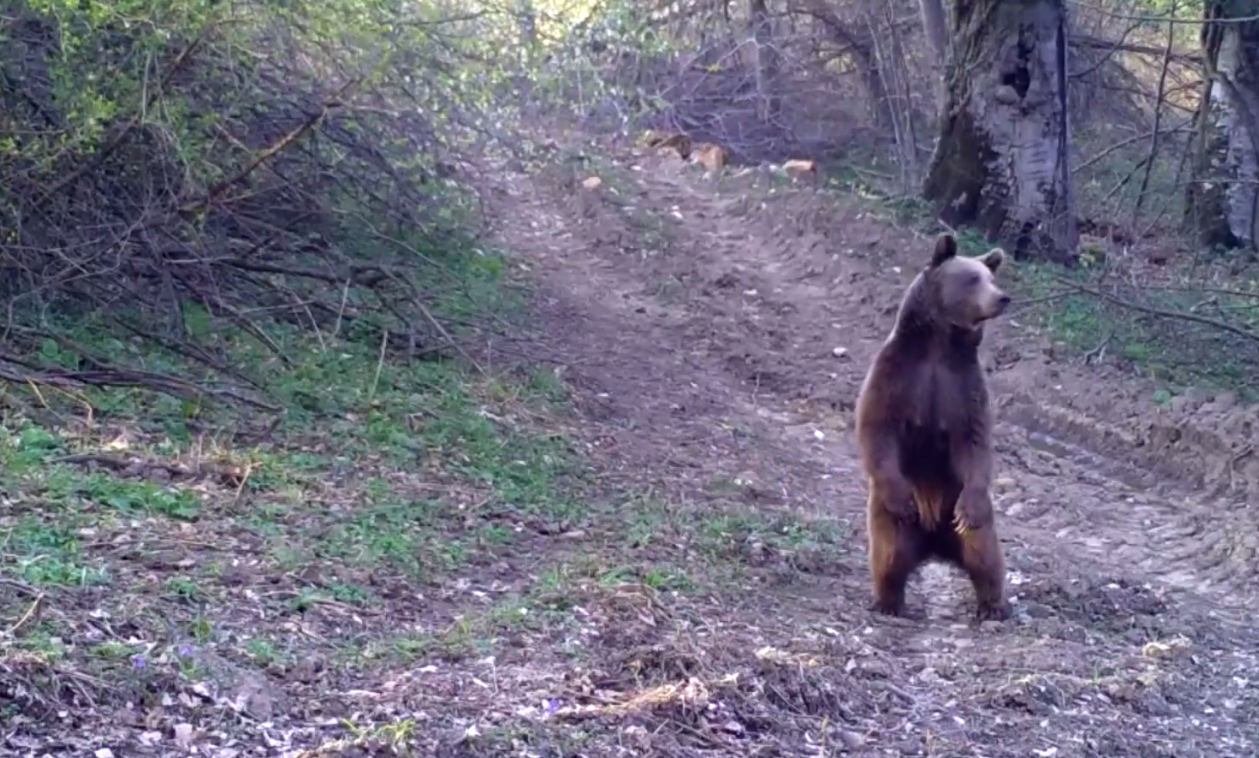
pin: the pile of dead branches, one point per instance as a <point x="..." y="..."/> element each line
<point x="252" y="170"/>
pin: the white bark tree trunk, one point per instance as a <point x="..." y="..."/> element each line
<point x="936" y="26"/>
<point x="767" y="105"/>
<point x="1002" y="161"/>
<point x="1222" y="203"/>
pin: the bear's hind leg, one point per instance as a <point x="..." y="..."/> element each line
<point x="980" y="556"/>
<point x="896" y="550"/>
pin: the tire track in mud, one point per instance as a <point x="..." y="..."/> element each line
<point x="1062" y="493"/>
<point x="1198" y="541"/>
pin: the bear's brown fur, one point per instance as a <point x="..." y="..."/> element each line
<point x="924" y="431"/>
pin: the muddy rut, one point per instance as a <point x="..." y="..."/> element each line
<point x="721" y="328"/>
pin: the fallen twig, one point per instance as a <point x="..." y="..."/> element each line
<point x="229" y="475"/>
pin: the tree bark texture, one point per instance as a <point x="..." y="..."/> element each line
<point x="1222" y="203"/>
<point x="768" y="104"/>
<point x="936" y="26"/>
<point x="1001" y="163"/>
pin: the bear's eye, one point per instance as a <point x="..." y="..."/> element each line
<point x="973" y="279"/>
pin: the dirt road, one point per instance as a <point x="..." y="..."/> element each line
<point x="718" y="329"/>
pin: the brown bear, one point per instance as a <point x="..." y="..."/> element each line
<point x="924" y="430"/>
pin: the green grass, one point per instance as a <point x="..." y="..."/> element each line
<point x="399" y="516"/>
<point x="382" y="476"/>
<point x="384" y="485"/>
<point x="433" y="417"/>
<point x="1174" y="353"/>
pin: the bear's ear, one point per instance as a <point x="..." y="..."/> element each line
<point x="993" y="259"/>
<point x="946" y="248"/>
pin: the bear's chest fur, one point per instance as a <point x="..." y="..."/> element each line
<point x="940" y="400"/>
<point x="934" y="408"/>
<point x="936" y="400"/>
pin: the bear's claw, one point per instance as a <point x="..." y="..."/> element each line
<point x="887" y="607"/>
<point x="993" y="611"/>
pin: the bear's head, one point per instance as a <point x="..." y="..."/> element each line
<point x="960" y="292"/>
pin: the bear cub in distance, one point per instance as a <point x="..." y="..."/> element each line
<point x="924" y="429"/>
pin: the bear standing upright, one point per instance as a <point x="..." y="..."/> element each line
<point x="924" y="429"/>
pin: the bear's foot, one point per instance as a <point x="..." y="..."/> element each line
<point x="993" y="610"/>
<point x="888" y="606"/>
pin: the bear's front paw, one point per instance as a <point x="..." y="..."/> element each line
<point x="973" y="511"/>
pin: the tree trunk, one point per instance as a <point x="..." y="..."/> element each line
<point x="889" y="55"/>
<point x="528" y="23"/>
<point x="767" y="101"/>
<point x="1222" y="203"/>
<point x="935" y="26"/>
<point x="1002" y="162"/>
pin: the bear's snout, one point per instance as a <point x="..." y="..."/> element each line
<point x="995" y="304"/>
